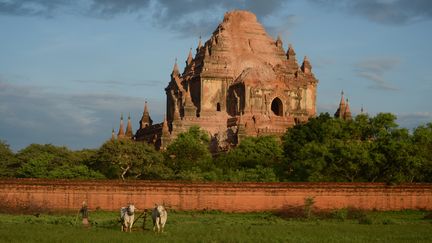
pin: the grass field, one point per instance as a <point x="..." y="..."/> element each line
<point x="404" y="226"/>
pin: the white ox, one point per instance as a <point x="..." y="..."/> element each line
<point x="127" y="217"/>
<point x="159" y="216"/>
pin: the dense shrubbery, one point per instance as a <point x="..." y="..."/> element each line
<point x="324" y="149"/>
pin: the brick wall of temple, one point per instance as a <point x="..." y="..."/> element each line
<point x="240" y="197"/>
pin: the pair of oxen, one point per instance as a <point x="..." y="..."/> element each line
<point x="159" y="217"/>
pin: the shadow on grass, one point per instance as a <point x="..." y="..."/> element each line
<point x="309" y="212"/>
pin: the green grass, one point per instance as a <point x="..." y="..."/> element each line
<point x="404" y="226"/>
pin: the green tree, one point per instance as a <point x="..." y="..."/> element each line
<point x="315" y="129"/>
<point x="348" y="160"/>
<point x="125" y="158"/>
<point x="363" y="149"/>
<point x="60" y="155"/>
<point x="38" y="166"/>
<point x="49" y="161"/>
<point x="75" y="172"/>
<point x="310" y="162"/>
<point x="361" y="128"/>
<point x="84" y="156"/>
<point x="189" y="151"/>
<point x="8" y="162"/>
<point x="254" y="159"/>
<point x="305" y="148"/>
<point x="382" y="124"/>
<point x="422" y="140"/>
<point x="394" y="157"/>
<point x="392" y="151"/>
<point x="265" y="151"/>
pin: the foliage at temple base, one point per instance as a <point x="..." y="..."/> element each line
<point x="364" y="149"/>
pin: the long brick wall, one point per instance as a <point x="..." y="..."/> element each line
<point x="111" y="195"/>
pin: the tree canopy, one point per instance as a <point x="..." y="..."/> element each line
<point x="49" y="161"/>
<point x="8" y="162"/>
<point x="189" y="149"/>
<point x="363" y="149"/>
<point x="125" y="158"/>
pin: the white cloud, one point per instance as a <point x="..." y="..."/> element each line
<point x="389" y="12"/>
<point x="374" y="69"/>
<point x="31" y="114"/>
<point x="414" y="119"/>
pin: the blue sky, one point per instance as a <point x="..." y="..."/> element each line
<point x="68" y="69"/>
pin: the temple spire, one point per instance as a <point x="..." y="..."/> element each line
<point x="279" y="42"/>
<point x="189" y="107"/>
<point x="347" y="113"/>
<point x="306" y="66"/>
<point x="121" y="132"/>
<point x="145" y="119"/>
<point x="166" y="136"/>
<point x="113" y="135"/>
<point x="175" y="71"/>
<point x="129" y="133"/>
<point x="290" y="53"/>
<point x="165" y="129"/>
<point x="206" y="52"/>
<point x="189" y="58"/>
<point x="340" y="112"/>
<point x="199" y="44"/>
<point x="188" y="98"/>
<point x="176" y="115"/>
<point x="342" y="101"/>
<point x="145" y="108"/>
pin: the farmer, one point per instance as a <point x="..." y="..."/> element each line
<point x="84" y="213"/>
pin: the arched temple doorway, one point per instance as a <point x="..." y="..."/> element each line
<point x="277" y="107"/>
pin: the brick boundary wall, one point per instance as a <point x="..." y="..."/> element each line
<point x="230" y="197"/>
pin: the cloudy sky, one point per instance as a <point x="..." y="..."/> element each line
<point x="68" y="69"/>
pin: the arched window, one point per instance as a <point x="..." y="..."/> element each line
<point x="277" y="107"/>
<point x="218" y="107"/>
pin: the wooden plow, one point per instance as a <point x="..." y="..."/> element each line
<point x="143" y="215"/>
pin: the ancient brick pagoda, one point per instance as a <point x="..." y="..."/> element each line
<point x="344" y="111"/>
<point x="240" y="83"/>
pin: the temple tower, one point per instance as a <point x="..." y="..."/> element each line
<point x="343" y="111"/>
<point x="129" y="133"/>
<point x="121" y="133"/>
<point x="145" y="119"/>
<point x="239" y="71"/>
